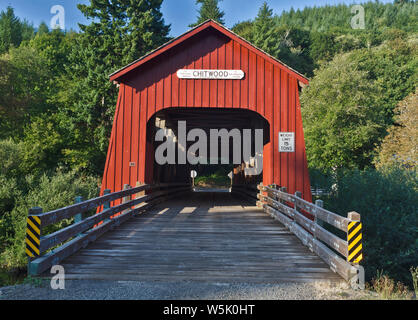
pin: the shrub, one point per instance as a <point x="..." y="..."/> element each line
<point x="49" y="192"/>
<point x="11" y="158"/>
<point x="387" y="201"/>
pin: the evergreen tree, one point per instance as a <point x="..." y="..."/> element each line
<point x="209" y="10"/>
<point x="244" y="29"/>
<point x="121" y="31"/>
<point x="10" y="30"/>
<point x="42" y="29"/>
<point x="28" y="31"/>
<point x="264" y="33"/>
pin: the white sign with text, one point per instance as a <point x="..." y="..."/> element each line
<point x="210" y="74"/>
<point x="286" y="142"/>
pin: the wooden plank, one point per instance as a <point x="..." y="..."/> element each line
<point x="320" y="213"/>
<point x="62" y="235"/>
<point x="211" y="237"/>
<point x="54" y="257"/>
<point x="54" y="216"/>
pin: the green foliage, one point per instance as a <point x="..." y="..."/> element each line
<point x="11" y="158"/>
<point x="388" y="202"/>
<point x="244" y="29"/>
<point x="23" y="77"/>
<point x="10" y="30"/>
<point x="323" y="46"/>
<point x="341" y="118"/>
<point x="13" y="31"/>
<point x="209" y="9"/>
<point x="327" y="31"/>
<point x="392" y="68"/>
<point x="43" y="144"/>
<point x="350" y="103"/>
<point x="120" y="32"/>
<point x="401" y="144"/>
<point x="50" y="191"/>
<point x="35" y="281"/>
<point x="264" y="35"/>
<point x="213" y="175"/>
<point x="378" y="16"/>
<point x="42" y="29"/>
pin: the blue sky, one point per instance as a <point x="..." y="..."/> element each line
<point x="179" y="13"/>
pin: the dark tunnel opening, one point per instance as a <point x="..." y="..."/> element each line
<point x="212" y="142"/>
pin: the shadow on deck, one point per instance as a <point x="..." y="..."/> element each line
<point x="202" y="236"/>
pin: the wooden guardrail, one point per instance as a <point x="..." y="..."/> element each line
<point x="79" y="234"/>
<point x="343" y="256"/>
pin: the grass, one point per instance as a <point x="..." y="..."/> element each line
<point x="414" y="273"/>
<point x="11" y="277"/>
<point x="213" y="180"/>
<point x="388" y="289"/>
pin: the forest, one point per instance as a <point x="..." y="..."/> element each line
<point x="360" y="111"/>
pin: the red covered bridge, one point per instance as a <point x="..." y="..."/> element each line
<point x="209" y="78"/>
<point x="266" y="97"/>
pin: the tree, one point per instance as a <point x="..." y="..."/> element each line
<point x="23" y="78"/>
<point x="342" y="119"/>
<point x="393" y="68"/>
<point x="264" y="33"/>
<point x="244" y="29"/>
<point x="10" y="30"/>
<point x="294" y="49"/>
<point x="401" y="144"/>
<point x="42" y="29"/>
<point x="28" y="31"/>
<point x="209" y="10"/>
<point x="120" y="32"/>
<point x="323" y="47"/>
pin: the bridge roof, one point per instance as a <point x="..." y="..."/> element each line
<point x="191" y="33"/>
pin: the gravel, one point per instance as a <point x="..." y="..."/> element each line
<point x="133" y="290"/>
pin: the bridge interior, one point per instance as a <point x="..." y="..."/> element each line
<point x="201" y="236"/>
<point x="205" y="119"/>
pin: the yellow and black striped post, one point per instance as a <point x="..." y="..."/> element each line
<point x="33" y="233"/>
<point x="354" y="239"/>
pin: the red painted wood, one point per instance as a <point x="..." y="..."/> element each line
<point x="284" y="110"/>
<point x="244" y="83"/>
<point x="196" y="31"/>
<point x="269" y="88"/>
<point x="276" y="123"/>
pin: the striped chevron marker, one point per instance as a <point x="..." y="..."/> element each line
<point x="33" y="236"/>
<point x="355" y="247"/>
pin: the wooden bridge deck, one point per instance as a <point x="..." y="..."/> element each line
<point x="209" y="237"/>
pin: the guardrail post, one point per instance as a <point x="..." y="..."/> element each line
<point x="274" y="186"/>
<point x="355" y="249"/>
<point x="319" y="203"/>
<point x="127" y="198"/>
<point x="33" y="237"/>
<point x="299" y="195"/>
<point x="106" y="205"/>
<point x="139" y="194"/>
<point x="260" y="195"/>
<point x="354" y="238"/>
<point x="282" y="189"/>
<point x="78" y="217"/>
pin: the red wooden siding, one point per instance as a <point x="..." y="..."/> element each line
<point x="268" y="89"/>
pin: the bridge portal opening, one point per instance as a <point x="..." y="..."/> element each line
<point x="224" y="145"/>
